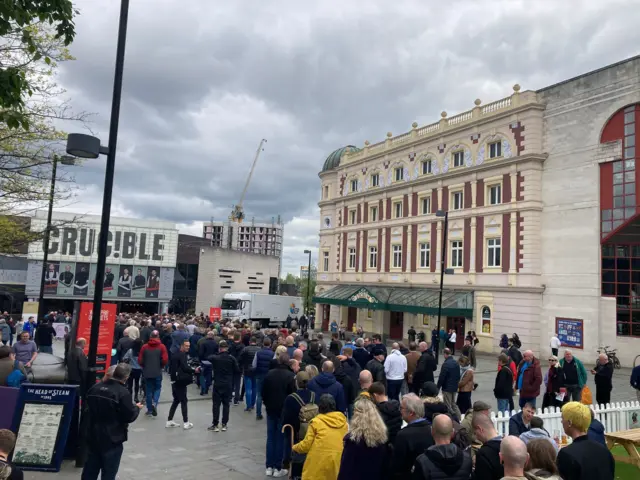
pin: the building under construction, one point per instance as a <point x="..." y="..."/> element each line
<point x="264" y="238"/>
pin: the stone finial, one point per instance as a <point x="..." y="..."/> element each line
<point x="516" y="88"/>
<point x="414" y="124"/>
<point x="443" y="114"/>
<point x="366" y="142"/>
<point x="477" y="102"/>
<point x="389" y="134"/>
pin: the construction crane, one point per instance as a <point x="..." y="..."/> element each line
<point x="237" y="214"/>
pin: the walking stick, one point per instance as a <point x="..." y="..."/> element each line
<point x="291" y="460"/>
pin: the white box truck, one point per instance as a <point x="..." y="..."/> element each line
<point x="267" y="310"/>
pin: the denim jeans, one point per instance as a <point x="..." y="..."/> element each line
<point x="275" y="442"/>
<point x="154" y="385"/>
<point x="103" y="463"/>
<point x="503" y="404"/>
<point x="46" y="349"/>
<point x="205" y="376"/>
<point x="259" y="382"/>
<point x="524" y="400"/>
<point x="249" y="391"/>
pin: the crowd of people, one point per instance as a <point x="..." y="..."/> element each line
<point x="349" y="407"/>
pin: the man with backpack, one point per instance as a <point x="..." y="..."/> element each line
<point x="299" y="409"/>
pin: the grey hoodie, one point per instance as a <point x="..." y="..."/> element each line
<point x="536" y="433"/>
<point x="5" y="329"/>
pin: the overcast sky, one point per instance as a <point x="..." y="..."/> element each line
<point x="205" y="80"/>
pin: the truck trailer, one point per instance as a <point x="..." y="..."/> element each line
<point x="266" y="310"/>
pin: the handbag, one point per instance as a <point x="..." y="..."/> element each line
<point x="586" y="397"/>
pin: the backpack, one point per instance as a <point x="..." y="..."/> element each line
<point x="16" y="377"/>
<point x="307" y="412"/>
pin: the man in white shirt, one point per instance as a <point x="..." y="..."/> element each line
<point x="395" y="366"/>
<point x="452" y="341"/>
<point x="555" y="344"/>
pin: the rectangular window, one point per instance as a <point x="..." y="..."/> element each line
<point x="352" y="217"/>
<point x="425" y="250"/>
<point x="325" y="261"/>
<point x="457" y="200"/>
<point x="373" y="214"/>
<point x="493" y="252"/>
<point x="397" y="210"/>
<point x="352" y="258"/>
<point x="397" y="256"/>
<point x="354" y="186"/>
<point x="325" y="192"/>
<point x="495" y="149"/>
<point x="426" y="167"/>
<point x="375" y="180"/>
<point x="399" y="174"/>
<point x="425" y="205"/>
<point x="456" y="254"/>
<point x="495" y="194"/>
<point x="373" y="257"/>
<point x="458" y="158"/>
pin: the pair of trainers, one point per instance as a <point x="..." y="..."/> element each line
<point x="216" y="428"/>
<point x="172" y="424"/>
<point x="272" y="472"/>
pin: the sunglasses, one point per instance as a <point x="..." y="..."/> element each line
<point x="553" y="360"/>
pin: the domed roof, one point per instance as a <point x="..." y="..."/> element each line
<point x="333" y="160"/>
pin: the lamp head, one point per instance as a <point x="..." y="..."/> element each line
<point x="441" y="213"/>
<point x="83" y="146"/>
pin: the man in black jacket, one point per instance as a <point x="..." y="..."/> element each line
<point x="314" y="356"/>
<point x="278" y="384"/>
<point x="207" y="347"/>
<point x="235" y="350"/>
<point x="389" y="410"/>
<point x="424" y="369"/>
<point x="604" y="379"/>
<point x="225" y="367"/>
<point x="584" y="459"/>
<point x="376" y="367"/>
<point x="412" y="440"/>
<point x="444" y="459"/>
<point x="361" y="354"/>
<point x="77" y="366"/>
<point x="246" y="366"/>
<point x="181" y="377"/>
<point x="488" y="464"/>
<point x="110" y="411"/>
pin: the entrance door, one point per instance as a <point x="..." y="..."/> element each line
<point x="352" y="317"/>
<point x="325" y="317"/>
<point x="457" y="323"/>
<point x="396" y="325"/>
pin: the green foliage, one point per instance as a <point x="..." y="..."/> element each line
<point x="22" y="47"/>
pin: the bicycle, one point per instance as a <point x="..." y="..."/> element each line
<point x="611" y="355"/>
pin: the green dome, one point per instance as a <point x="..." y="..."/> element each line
<point x="333" y="160"/>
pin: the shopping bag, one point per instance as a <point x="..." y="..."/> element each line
<point x="587" y="397"/>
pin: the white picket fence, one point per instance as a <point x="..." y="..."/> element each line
<point x="615" y="417"/>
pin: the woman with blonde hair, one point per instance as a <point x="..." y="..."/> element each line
<point x="365" y="453"/>
<point x="279" y="351"/>
<point x="312" y="371"/>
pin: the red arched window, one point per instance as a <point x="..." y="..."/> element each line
<point x="619" y="220"/>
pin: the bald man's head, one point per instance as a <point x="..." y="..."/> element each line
<point x="328" y="367"/>
<point x="395" y="346"/>
<point x="422" y="346"/>
<point x="297" y="354"/>
<point x="513" y="453"/>
<point x="366" y="379"/>
<point x="442" y="429"/>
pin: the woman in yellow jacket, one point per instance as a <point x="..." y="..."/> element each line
<point x="323" y="442"/>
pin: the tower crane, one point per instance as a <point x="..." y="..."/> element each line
<point x="237" y="214"/>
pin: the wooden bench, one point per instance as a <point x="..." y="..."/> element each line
<point x="630" y="440"/>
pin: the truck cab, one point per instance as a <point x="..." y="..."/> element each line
<point x="236" y="307"/>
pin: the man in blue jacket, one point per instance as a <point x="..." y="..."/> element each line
<point x="448" y="381"/>
<point x="260" y="365"/>
<point x="326" y="383"/>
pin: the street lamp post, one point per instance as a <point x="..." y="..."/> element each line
<point x="86" y="146"/>
<point x="308" y="283"/>
<point x="65" y="160"/>
<point x="443" y="270"/>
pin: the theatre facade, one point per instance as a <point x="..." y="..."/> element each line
<point x="543" y="232"/>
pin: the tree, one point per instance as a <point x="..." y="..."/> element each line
<point x="28" y="148"/>
<point x="305" y="296"/>
<point x="23" y="47"/>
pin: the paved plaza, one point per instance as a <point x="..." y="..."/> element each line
<point x="154" y="452"/>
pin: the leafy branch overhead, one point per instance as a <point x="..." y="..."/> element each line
<point x="17" y="19"/>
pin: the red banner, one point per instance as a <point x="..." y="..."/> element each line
<point x="215" y="313"/>
<point x="105" y="337"/>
